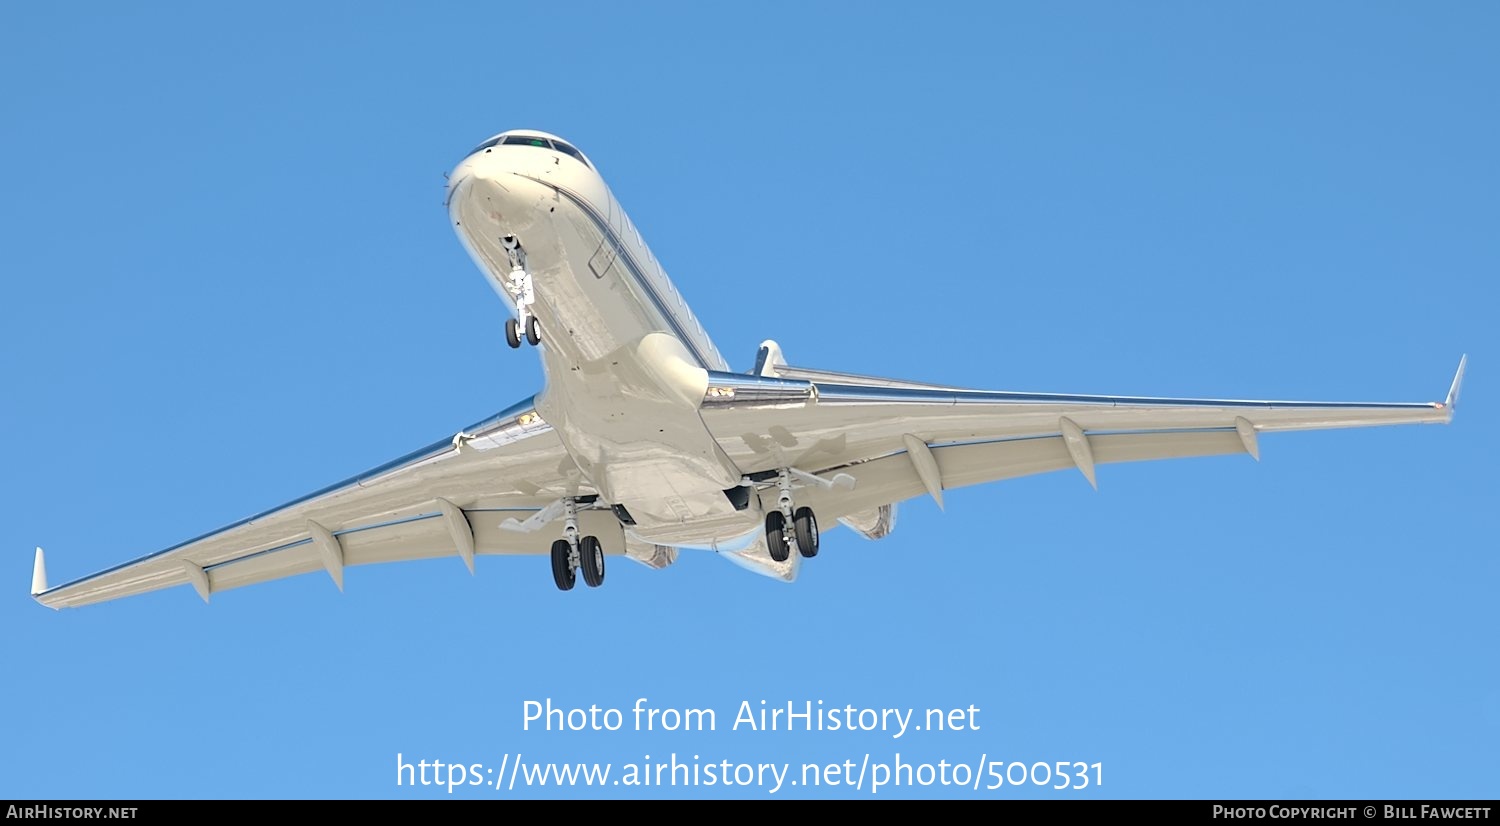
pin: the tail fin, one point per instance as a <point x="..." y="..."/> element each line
<point x="767" y="359"/>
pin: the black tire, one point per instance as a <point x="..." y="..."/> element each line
<point x="562" y="573"/>
<point x="533" y="335"/>
<point x="512" y="334"/>
<point x="805" y="527"/>
<point x="591" y="561"/>
<point x="776" y="536"/>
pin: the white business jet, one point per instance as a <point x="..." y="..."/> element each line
<point x="643" y="442"/>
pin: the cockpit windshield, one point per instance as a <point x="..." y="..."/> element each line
<point x="532" y="140"/>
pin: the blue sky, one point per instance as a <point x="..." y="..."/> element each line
<point x="229" y="281"/>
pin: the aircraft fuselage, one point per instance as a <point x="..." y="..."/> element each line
<point x="626" y="361"/>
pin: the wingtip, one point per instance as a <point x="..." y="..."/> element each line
<point x="39" y="574"/>
<point x="1458" y="379"/>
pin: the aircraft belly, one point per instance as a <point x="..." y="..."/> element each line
<point x="630" y="421"/>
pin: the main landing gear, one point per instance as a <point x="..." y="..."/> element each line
<point x="522" y="291"/>
<point x="803" y="523"/>
<point x="514" y="332"/>
<point x="575" y="553"/>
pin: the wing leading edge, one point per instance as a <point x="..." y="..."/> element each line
<point x="897" y="440"/>
<point x="900" y="440"/>
<point x="446" y="499"/>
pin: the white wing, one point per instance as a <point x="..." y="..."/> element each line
<point x="447" y="499"/>
<point x="900" y="439"/>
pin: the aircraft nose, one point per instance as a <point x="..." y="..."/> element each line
<point x="457" y="182"/>
<point x="491" y="196"/>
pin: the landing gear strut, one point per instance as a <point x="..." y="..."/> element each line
<point x="574" y="553"/>
<point x="523" y="292"/>
<point x="801" y="521"/>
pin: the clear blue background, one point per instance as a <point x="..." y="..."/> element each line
<point x="228" y="280"/>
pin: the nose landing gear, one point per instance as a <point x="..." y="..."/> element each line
<point x="515" y="331"/>
<point x="523" y="292"/>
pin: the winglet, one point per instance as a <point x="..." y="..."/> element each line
<point x="39" y="573"/>
<point x="1458" y="380"/>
